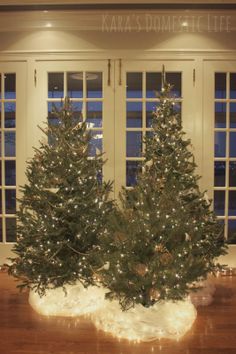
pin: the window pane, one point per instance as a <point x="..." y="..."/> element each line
<point x="133" y="144"/>
<point x="232" y="173"/>
<point x="220" y="115"/>
<point x="150" y="109"/>
<point x="220" y="85"/>
<point x="10" y="201"/>
<point x="0" y="146"/>
<point x="94" y="114"/>
<point x="0" y="115"/>
<point x="232" y="85"/>
<point x="219" y="202"/>
<point x="134" y="85"/>
<point x="0" y="201"/>
<point x="153" y="84"/>
<point x="219" y="174"/>
<point x="0" y="86"/>
<point x="11" y="229"/>
<point x="10" y="144"/>
<point x="53" y="108"/>
<point x="10" y="173"/>
<point x="75" y="85"/>
<point x="232" y="115"/>
<point x="132" y="168"/>
<point x="232" y="231"/>
<point x="55" y="85"/>
<point x="232" y="144"/>
<point x="95" y="146"/>
<point x="10" y="114"/>
<point x="94" y="84"/>
<point x="1" y="236"/>
<point x="134" y="114"/>
<point x="10" y="86"/>
<point x="175" y="80"/>
<point x="232" y="203"/>
<point x="77" y="111"/>
<point x="220" y="144"/>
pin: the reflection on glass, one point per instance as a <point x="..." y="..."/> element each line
<point x="1" y="237"/>
<point x="232" y="231"/>
<point x="220" y="115"/>
<point x="55" y="85"/>
<point x="220" y="85"/>
<point x="10" y="86"/>
<point x="232" y="144"/>
<point x="232" y="203"/>
<point x="232" y="85"/>
<point x="10" y="173"/>
<point x="75" y="85"/>
<point x="133" y="144"/>
<point x="10" y="114"/>
<point x="150" y="109"/>
<point x="232" y="173"/>
<point x="10" y="201"/>
<point x="219" y="174"/>
<point x="10" y="144"/>
<point x="175" y="80"/>
<point x="219" y="202"/>
<point x="220" y="144"/>
<point x="11" y="229"/>
<point x="134" y="114"/>
<point x="132" y="169"/>
<point x="95" y="145"/>
<point x="153" y="84"/>
<point x="134" y="85"/>
<point x="232" y="115"/>
<point x="94" y="114"/>
<point x="94" y="84"/>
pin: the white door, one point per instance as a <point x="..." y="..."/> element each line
<point x="220" y="145"/>
<point x="137" y="82"/>
<point x="13" y="140"/>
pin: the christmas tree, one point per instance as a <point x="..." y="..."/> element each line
<point x="165" y="237"/>
<point x="63" y="209"/>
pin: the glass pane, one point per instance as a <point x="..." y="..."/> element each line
<point x="0" y="201"/>
<point x="10" y="144"/>
<point x="153" y="84"/>
<point x="75" y="85"/>
<point x="232" y="144"/>
<point x="10" y="173"/>
<point x="232" y="115"/>
<point x="77" y="111"/>
<point x="10" y="86"/>
<point x="1" y="236"/>
<point x="232" y="173"/>
<point x="95" y="146"/>
<point x="219" y="202"/>
<point x="134" y="114"/>
<point x="219" y="174"/>
<point x="11" y="229"/>
<point x="0" y="114"/>
<point x="53" y="108"/>
<point x="175" y="80"/>
<point x="0" y="86"/>
<point x="94" y="84"/>
<point x="220" y="144"/>
<point x="232" y="231"/>
<point x="10" y="114"/>
<point x="94" y="114"/>
<point x="132" y="169"/>
<point x="0" y="146"/>
<point x="55" y="85"/>
<point x="134" y="85"/>
<point x="233" y="85"/>
<point x="220" y="85"/>
<point x="133" y="144"/>
<point x="150" y="109"/>
<point x="220" y="115"/>
<point x="10" y="201"/>
<point x="232" y="203"/>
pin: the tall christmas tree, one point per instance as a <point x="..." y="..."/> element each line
<point x="165" y="237"/>
<point x="63" y="209"/>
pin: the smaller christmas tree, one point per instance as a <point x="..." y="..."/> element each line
<point x="63" y="209"/>
<point x="165" y="237"/>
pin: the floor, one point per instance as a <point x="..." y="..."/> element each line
<point x="22" y="331"/>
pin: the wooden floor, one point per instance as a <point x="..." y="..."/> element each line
<point x="22" y="331"/>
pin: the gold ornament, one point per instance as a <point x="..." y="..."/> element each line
<point x="159" y="248"/>
<point x="119" y="236"/>
<point x="166" y="258"/>
<point x="141" y="269"/>
<point x="154" y="294"/>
